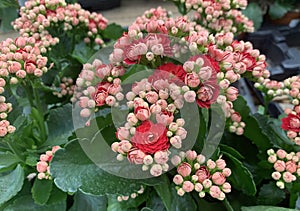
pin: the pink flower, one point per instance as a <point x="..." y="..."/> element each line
<point x="192" y="80"/>
<point x="190" y="96"/>
<point x="152" y="97"/>
<point x="176" y="142"/>
<point x="113" y="89"/>
<point x="164" y="117"/>
<point x="218" y="178"/>
<point x="211" y="164"/>
<point x="14" y="67"/>
<point x="291" y="166"/>
<point x="232" y="93"/>
<point x="101" y="94"/>
<point x="191" y="155"/>
<point x="20" y="42"/>
<point x="206" y="95"/>
<point x="41" y="166"/>
<point x="136" y="156"/>
<point x="181" y="132"/>
<point x="103" y="70"/>
<point x="221" y="164"/>
<point x="3" y="131"/>
<point x="176" y="160"/>
<point x="184" y="169"/>
<point x="142" y="113"/>
<point x="156" y="170"/>
<point x="236" y="117"/>
<point x="30" y="66"/>
<point x="122" y="133"/>
<point x="226" y="187"/>
<point x="134" y="51"/>
<point x="215" y="191"/>
<point x="161" y="157"/>
<point x="288" y="177"/>
<point x="188" y="186"/>
<point x="276" y="175"/>
<point x="178" y="179"/>
<point x="279" y="165"/>
<point x="281" y="153"/>
<point x="202" y="173"/>
<point x="226" y="172"/>
<point x="131" y="119"/>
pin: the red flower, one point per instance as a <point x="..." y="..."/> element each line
<point x="169" y="71"/>
<point x="291" y="122"/>
<point x="207" y="94"/>
<point x="150" y="138"/>
<point x="202" y="174"/>
<point x="101" y="94"/>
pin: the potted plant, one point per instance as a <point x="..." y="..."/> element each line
<point x="278" y="11"/>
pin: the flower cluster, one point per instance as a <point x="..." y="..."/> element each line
<point x="219" y="16"/>
<point x="132" y="195"/>
<point x="286" y="165"/>
<point x="38" y="17"/>
<point x="195" y="173"/>
<point x="20" y="58"/>
<point x="66" y="88"/>
<point x="151" y="128"/>
<point x="42" y="166"/>
<point x="98" y="85"/>
<point x="291" y="124"/>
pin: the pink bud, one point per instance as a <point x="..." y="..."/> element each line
<point x="226" y="172"/>
<point x="191" y="155"/>
<point x="221" y="164"/>
<point x="188" y="186"/>
<point x="184" y="169"/>
<point x="178" y="179"/>
<point x="218" y="178"/>
<point x="279" y="165"/>
<point x="41" y="166"/>
<point x="281" y="153"/>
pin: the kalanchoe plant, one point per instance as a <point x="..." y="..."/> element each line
<point x="217" y="16"/>
<point x="158" y="124"/>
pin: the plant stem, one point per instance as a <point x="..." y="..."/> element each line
<point x="227" y="205"/>
<point x="15" y="152"/>
<point x="39" y="108"/>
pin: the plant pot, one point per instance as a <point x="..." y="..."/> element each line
<point x="94" y="5"/>
<point x="287" y="18"/>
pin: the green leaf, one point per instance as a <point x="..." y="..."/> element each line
<point x="9" y="3"/>
<point x="270" y="194"/>
<point x="277" y="136"/>
<point x="41" y="190"/>
<point x="11" y="183"/>
<point x="7" y="159"/>
<point x="265" y="208"/>
<point x="113" y="31"/>
<point x="72" y="170"/>
<point x="82" y="52"/>
<point x="163" y="191"/>
<point x="26" y="203"/>
<point x="89" y="202"/>
<point x="232" y="151"/>
<point x="277" y="10"/>
<point x="7" y="15"/>
<point x="154" y="202"/>
<point x="254" y="13"/>
<point x="185" y="202"/>
<point x="60" y="125"/>
<point x="241" y="178"/>
<point x="258" y="138"/>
